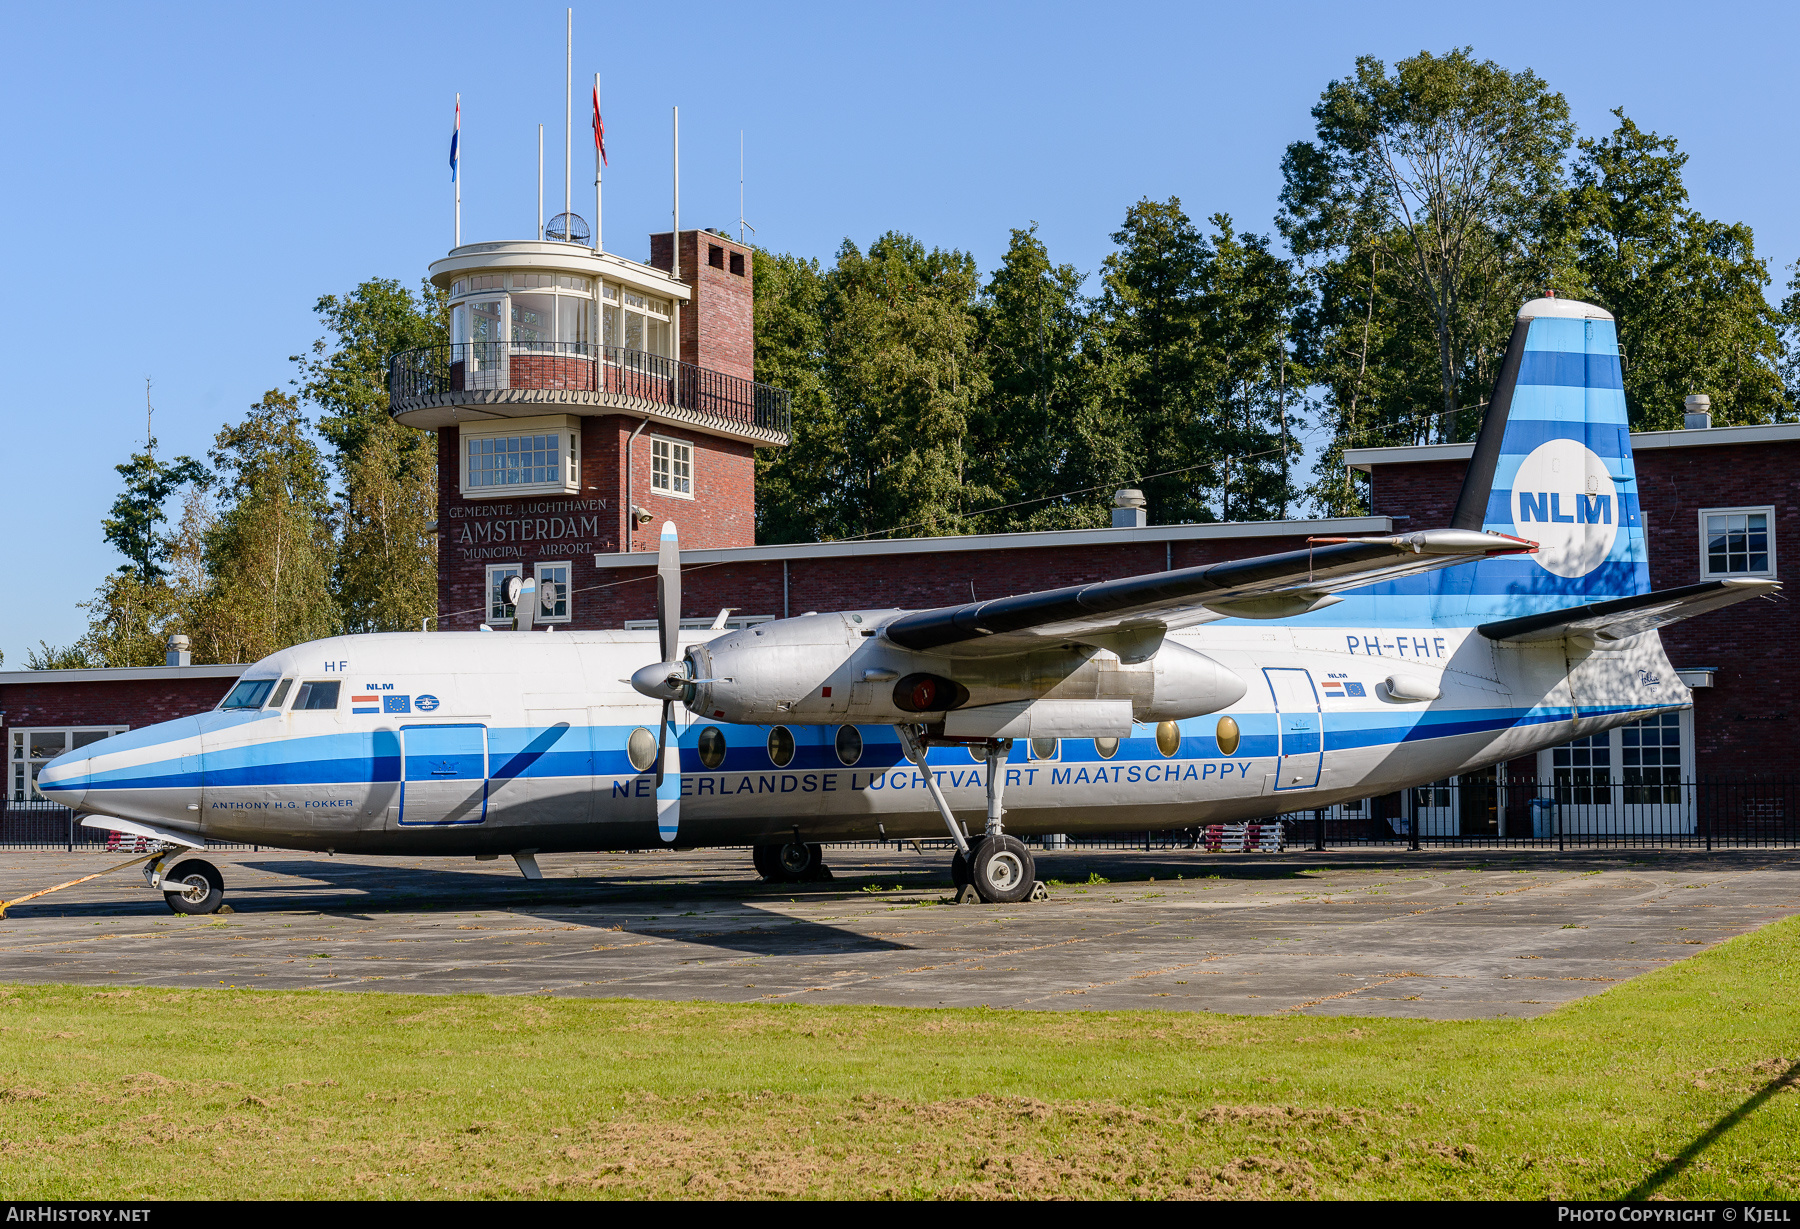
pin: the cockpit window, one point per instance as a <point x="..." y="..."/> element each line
<point x="250" y="693"/>
<point x="317" y="695"/>
<point x="280" y="693"/>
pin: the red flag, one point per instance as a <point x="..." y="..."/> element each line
<point x="599" y="129"/>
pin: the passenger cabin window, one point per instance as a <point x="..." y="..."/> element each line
<point x="1737" y="542"/>
<point x="317" y="696"/>
<point x="250" y="693"/>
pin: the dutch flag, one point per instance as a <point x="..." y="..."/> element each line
<point x="455" y="133"/>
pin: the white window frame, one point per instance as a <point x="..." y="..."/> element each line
<point x="537" y="571"/>
<point x="671" y="443"/>
<point x="1617" y="815"/>
<point x="21" y="782"/>
<point x="487" y="592"/>
<point x="1766" y="509"/>
<point x="733" y="623"/>
<point x="569" y="456"/>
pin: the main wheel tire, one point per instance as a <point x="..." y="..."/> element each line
<point x="767" y="860"/>
<point x="195" y="886"/>
<point x="1002" y="870"/>
<point x="960" y="877"/>
<point x="799" y="862"/>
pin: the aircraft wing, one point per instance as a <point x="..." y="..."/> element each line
<point x="1624" y="617"/>
<point x="1131" y="615"/>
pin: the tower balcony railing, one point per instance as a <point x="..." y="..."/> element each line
<point x="418" y="376"/>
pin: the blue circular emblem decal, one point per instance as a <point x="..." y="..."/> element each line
<point x="425" y="703"/>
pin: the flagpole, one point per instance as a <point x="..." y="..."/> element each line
<point x="540" y="226"/>
<point x="675" y="236"/>
<point x="597" y="162"/>
<point x="569" y="128"/>
<point x="456" y="171"/>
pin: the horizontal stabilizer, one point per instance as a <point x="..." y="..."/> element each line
<point x="1271" y="586"/>
<point x="1625" y="617"/>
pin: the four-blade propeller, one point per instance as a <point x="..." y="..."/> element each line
<point x="667" y="681"/>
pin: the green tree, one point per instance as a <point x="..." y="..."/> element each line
<point x="139" y="509"/>
<point x="1687" y="292"/>
<point x="1790" y="328"/>
<point x="798" y="488"/>
<point x="1041" y="433"/>
<point x="386" y="578"/>
<point x="902" y="370"/>
<point x="1448" y="171"/>
<point x="271" y="552"/>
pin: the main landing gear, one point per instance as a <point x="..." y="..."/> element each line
<point x="189" y="885"/>
<point x="993" y="867"/>
<point x="794" y="862"/>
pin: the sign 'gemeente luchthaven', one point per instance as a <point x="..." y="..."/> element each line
<point x="522" y="530"/>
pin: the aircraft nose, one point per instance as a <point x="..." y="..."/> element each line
<point x="64" y="779"/>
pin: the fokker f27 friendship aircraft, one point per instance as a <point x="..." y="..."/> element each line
<point x="1225" y="692"/>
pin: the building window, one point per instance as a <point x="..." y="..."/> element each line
<point x="32" y="749"/>
<point x="543" y="462"/>
<point x="553" y="592"/>
<point x="732" y="623"/>
<point x="1626" y="780"/>
<point x="499" y="609"/>
<point x="737" y="263"/>
<point x="715" y="256"/>
<point x="1737" y="542"/>
<point x="671" y="467"/>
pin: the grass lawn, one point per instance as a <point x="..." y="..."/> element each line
<point x="1682" y="1083"/>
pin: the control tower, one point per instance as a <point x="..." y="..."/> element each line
<point x="582" y="400"/>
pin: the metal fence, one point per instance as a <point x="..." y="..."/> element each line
<point x="491" y="366"/>
<point x="45" y="825"/>
<point x="1568" y="811"/>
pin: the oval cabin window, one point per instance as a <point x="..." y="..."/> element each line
<point x="712" y="747"/>
<point x="1227" y="734"/>
<point x="1168" y="737"/>
<point x="640" y="749"/>
<point x="781" y="746"/>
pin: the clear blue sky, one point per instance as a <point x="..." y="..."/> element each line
<point x="186" y="180"/>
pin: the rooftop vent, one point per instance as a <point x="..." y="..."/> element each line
<point x="1699" y="412"/>
<point x="176" y="652"/>
<point x="1128" y="509"/>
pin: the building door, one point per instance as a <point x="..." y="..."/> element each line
<point x="1300" y="725"/>
<point x="445" y="776"/>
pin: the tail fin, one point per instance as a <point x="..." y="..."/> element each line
<point x="1553" y="464"/>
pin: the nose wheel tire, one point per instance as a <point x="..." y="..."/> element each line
<point x="195" y="886"/>
<point x="1001" y="868"/>
<point x="793" y="862"/>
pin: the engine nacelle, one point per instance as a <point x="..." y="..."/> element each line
<point x="831" y="669"/>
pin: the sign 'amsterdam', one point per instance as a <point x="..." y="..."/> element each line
<point x="513" y="531"/>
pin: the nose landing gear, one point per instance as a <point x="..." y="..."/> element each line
<point x="192" y="885"/>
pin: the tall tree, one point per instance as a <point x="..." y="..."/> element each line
<point x="271" y="552"/>
<point x="1790" y="329"/>
<point x="386" y="576"/>
<point x="140" y="509"/>
<point x="1687" y="292"/>
<point x="1041" y="433"/>
<point x="1148" y="329"/>
<point x="1449" y="171"/>
<point x="798" y="488"/>
<point x="902" y="370"/>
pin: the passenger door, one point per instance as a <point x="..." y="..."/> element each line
<point x="444" y="774"/>
<point x="1300" y="726"/>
